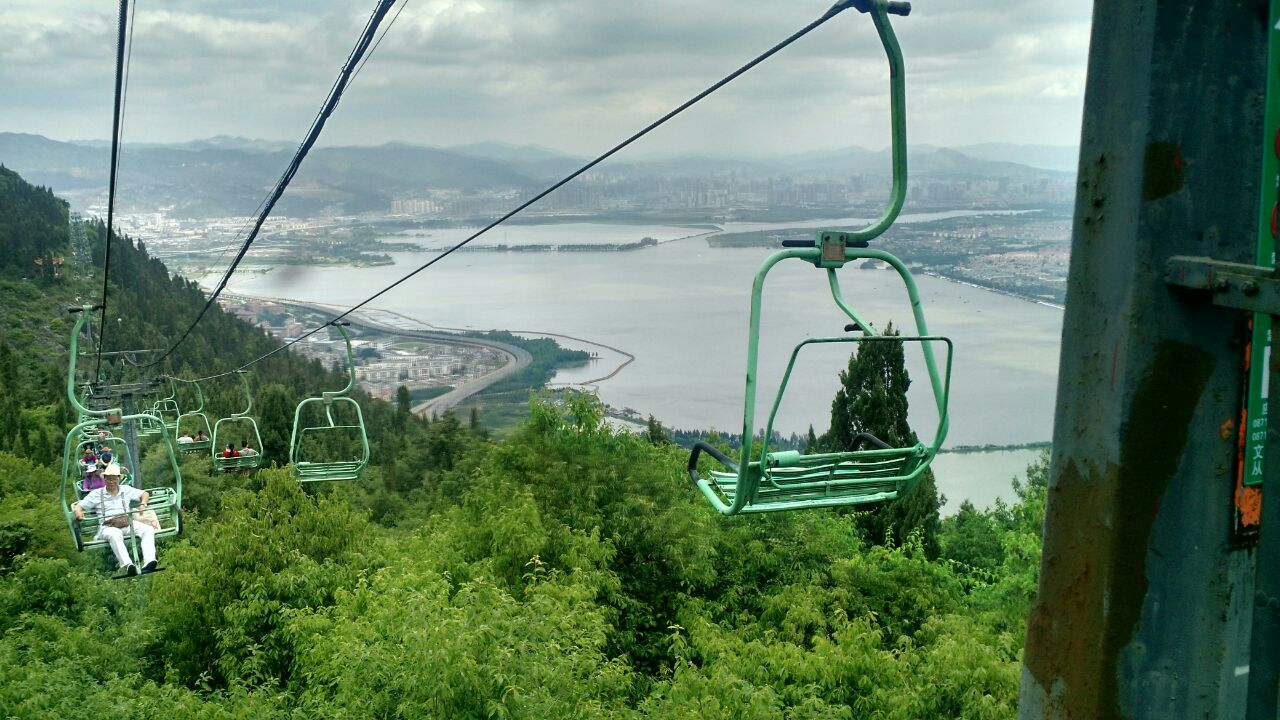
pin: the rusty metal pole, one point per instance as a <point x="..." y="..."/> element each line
<point x="1144" y="606"/>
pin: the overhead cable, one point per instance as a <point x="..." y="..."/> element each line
<point x="111" y="178"/>
<point x="832" y="12"/>
<point x="335" y="94"/>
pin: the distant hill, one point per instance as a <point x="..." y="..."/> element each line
<point x="506" y="152"/>
<point x="224" y="176"/>
<point x="1063" y="158"/>
<point x="534" y="161"/>
<point x="219" y="178"/>
<point x="59" y="165"/>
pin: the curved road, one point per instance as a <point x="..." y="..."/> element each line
<point x="517" y="358"/>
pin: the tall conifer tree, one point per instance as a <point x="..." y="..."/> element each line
<point x="873" y="398"/>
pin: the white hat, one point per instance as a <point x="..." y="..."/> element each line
<point x="112" y="469"/>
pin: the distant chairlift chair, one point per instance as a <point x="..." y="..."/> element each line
<point x="198" y="419"/>
<point x="227" y="426"/>
<point x="311" y="470"/>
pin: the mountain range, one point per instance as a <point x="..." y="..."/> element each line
<point x="225" y="176"/>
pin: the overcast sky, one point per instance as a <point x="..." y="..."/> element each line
<point x="574" y="75"/>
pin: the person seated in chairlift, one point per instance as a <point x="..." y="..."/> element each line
<point x="185" y="438"/>
<point x="92" y="480"/>
<point x="112" y="504"/>
<point x="230" y="452"/>
<point x="246" y="451"/>
<point x="106" y="457"/>
<point x="201" y="437"/>
<point x="89" y="462"/>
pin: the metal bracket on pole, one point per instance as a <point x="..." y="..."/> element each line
<point x="1234" y="285"/>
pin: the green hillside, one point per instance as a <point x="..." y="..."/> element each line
<point x="566" y="571"/>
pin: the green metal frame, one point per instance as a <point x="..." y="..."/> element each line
<point x="167" y="408"/>
<point x="237" y="464"/>
<point x="148" y="428"/>
<point x="308" y="471"/>
<point x="195" y="446"/>
<point x="166" y="502"/>
<point x="762" y="481"/>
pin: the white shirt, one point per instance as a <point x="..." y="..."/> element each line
<point x="101" y="502"/>
<point x="184" y="439"/>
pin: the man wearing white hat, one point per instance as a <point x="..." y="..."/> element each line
<point x="112" y="503"/>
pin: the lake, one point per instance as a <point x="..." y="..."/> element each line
<point x="681" y="308"/>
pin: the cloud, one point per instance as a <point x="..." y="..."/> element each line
<point x="572" y="74"/>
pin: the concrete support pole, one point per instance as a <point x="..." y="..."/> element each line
<point x="1144" y="607"/>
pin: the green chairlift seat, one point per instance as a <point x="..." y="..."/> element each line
<point x="238" y="425"/>
<point x="873" y="471"/>
<point x="165" y="500"/>
<point x="304" y="438"/>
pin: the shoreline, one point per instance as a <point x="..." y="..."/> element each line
<point x="998" y="291"/>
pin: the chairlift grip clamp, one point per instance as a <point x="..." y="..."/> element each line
<point x="893" y="7"/>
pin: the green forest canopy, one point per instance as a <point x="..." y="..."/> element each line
<point x="568" y="570"/>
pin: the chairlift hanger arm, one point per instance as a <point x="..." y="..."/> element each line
<point x="248" y="394"/>
<point x="199" y="393"/>
<point x="351" y="360"/>
<point x="893" y="7"/>
<point x="73" y="353"/>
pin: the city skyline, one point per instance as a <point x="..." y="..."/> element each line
<point x="564" y="74"/>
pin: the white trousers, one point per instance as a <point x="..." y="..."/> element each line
<point x="115" y="536"/>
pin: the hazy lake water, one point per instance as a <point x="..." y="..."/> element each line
<point x="681" y="308"/>
<point x="596" y="233"/>
<point x="980" y="477"/>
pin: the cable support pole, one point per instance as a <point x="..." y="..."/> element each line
<point x="830" y="13"/>
<point x="335" y="94"/>
<point x="111" y="179"/>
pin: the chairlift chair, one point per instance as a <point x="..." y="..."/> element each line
<point x="237" y="425"/>
<point x="198" y="419"/>
<point x="165" y="499"/>
<point x="305" y="467"/>
<point x="764" y="481"/>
